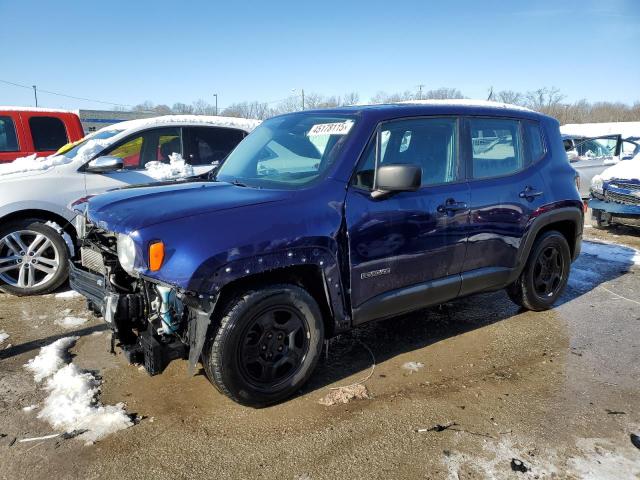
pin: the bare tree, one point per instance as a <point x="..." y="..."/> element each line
<point x="351" y="98"/>
<point x="162" y="109"/>
<point x="146" y="106"/>
<point x="509" y="96"/>
<point x="202" y="107"/>
<point x="182" y="108"/>
<point x="442" y="93"/>
<point x="254" y="109"/>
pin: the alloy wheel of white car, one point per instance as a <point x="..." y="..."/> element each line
<point x="32" y="259"/>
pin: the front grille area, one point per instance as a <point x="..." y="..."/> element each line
<point x="634" y="187"/>
<point x="622" y="198"/>
<point x="92" y="260"/>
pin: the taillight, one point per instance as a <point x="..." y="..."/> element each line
<point x="577" y="181"/>
<point x="156" y="255"/>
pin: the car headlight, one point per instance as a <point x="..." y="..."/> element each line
<point x="127" y="254"/>
<point x="597" y="184"/>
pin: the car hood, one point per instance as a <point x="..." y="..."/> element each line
<point x="7" y="175"/>
<point x="128" y="209"/>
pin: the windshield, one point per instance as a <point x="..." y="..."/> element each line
<point x="102" y="135"/>
<point x="288" y="152"/>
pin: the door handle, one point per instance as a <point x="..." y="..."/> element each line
<point x="450" y="206"/>
<point x="530" y="193"/>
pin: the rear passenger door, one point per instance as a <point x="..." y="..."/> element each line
<point x="506" y="189"/>
<point x="408" y="248"/>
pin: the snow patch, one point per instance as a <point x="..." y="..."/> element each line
<point x="601" y="460"/>
<point x="626" y="129"/>
<point x="413" y="366"/>
<point x="165" y="120"/>
<point x="624" y="170"/>
<point x="68" y="295"/>
<point x="10" y="108"/>
<point x="466" y="102"/>
<point x="29" y="408"/>
<point x="3" y="336"/>
<point x="50" y="359"/>
<point x="32" y="163"/>
<point x="71" y="322"/>
<point x="176" y="168"/>
<point x="72" y="401"/>
<point x="611" y="252"/>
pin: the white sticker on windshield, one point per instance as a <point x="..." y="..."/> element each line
<point x="338" y="128"/>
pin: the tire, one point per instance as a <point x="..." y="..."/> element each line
<point x="600" y="224"/>
<point x="545" y="275"/>
<point x="33" y="258"/>
<point x="258" y="330"/>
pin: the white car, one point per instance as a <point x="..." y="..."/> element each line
<point x="37" y="234"/>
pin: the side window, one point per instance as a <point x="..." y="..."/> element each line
<point x="129" y="152"/>
<point x="161" y="144"/>
<point x="8" y="138"/>
<point x="495" y="147"/>
<point x="48" y="133"/>
<point x="427" y="142"/>
<point x="205" y="145"/>
<point x="533" y="141"/>
<point x="151" y="146"/>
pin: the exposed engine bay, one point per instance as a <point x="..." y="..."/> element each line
<point x="152" y="323"/>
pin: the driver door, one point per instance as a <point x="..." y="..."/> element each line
<point x="407" y="249"/>
<point x="136" y="151"/>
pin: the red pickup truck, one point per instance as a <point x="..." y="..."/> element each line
<point x="24" y="131"/>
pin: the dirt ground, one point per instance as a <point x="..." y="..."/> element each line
<point x="558" y="391"/>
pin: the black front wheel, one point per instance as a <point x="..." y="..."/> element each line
<point x="545" y="275"/>
<point x="266" y="345"/>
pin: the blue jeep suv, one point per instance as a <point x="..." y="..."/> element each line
<point x="320" y="221"/>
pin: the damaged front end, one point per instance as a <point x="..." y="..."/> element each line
<point x="153" y="323"/>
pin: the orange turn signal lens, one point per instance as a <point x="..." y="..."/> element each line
<point x="156" y="255"/>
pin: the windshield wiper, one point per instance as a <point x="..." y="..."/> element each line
<point x="238" y="183"/>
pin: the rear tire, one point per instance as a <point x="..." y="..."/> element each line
<point x="33" y="258"/>
<point x="545" y="275"/>
<point x="266" y="346"/>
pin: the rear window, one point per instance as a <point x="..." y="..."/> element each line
<point x="8" y="138"/>
<point x="48" y="133"/>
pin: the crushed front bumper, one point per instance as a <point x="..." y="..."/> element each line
<point x="114" y="307"/>
<point x="612" y="212"/>
<point x="128" y="315"/>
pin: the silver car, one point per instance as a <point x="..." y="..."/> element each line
<point x="591" y="156"/>
<point x="37" y="234"/>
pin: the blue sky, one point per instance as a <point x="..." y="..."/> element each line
<point x="131" y="51"/>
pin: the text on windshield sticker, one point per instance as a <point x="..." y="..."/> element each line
<point x="338" y="128"/>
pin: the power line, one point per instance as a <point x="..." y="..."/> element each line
<point x="67" y="96"/>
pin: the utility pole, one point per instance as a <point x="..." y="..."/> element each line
<point x="302" y="99"/>
<point x="216" y="95"/>
<point x="420" y="91"/>
<point x="35" y="94"/>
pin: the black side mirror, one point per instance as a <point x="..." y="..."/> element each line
<point x="398" y="178"/>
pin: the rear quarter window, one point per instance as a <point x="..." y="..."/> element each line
<point x="8" y="137"/>
<point x="48" y="133"/>
<point x="534" y="141"/>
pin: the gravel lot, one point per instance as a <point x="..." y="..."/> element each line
<point x="557" y="390"/>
